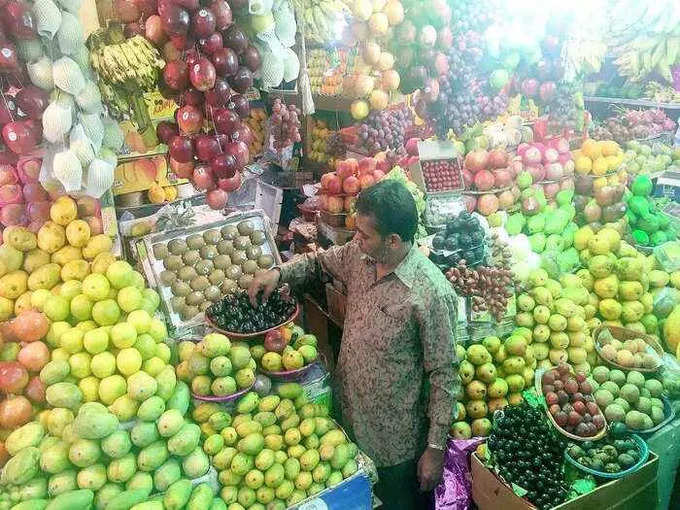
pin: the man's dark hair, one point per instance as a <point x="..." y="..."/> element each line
<point x="392" y="206"/>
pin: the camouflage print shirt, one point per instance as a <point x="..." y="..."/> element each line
<point x="398" y="334"/>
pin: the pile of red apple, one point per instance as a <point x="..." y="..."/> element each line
<point x="442" y="174"/>
<point x="339" y="189"/>
<point x="549" y="163"/>
<point x="488" y="170"/>
<point x="570" y="401"/>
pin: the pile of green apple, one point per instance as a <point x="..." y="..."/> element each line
<point x="650" y="158"/>
<point x="215" y="366"/>
<point x="494" y="373"/>
<point x="285" y="348"/>
<point x="275" y="451"/>
<point x="558" y="314"/>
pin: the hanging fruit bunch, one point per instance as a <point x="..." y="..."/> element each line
<point x="210" y="67"/>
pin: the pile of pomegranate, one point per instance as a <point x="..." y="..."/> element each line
<point x="210" y="68"/>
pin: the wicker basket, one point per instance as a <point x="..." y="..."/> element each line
<point x="623" y="334"/>
<point x="539" y="390"/>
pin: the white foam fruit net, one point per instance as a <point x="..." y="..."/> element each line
<point x="68" y="76"/>
<point x="99" y="177"/>
<point x="47" y="18"/>
<point x="67" y="170"/>
<point x="285" y="26"/>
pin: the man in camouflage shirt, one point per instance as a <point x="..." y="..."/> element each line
<point x="397" y="337"/>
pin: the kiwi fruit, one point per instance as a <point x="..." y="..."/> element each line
<point x="249" y="267"/>
<point x="195" y="298"/>
<point x="160" y="251"/>
<point x="229" y="232"/>
<point x="186" y="273"/>
<point x="177" y="303"/>
<point x="180" y="288"/>
<point x="177" y="246"/>
<point x="204" y="267"/>
<point x="200" y="283"/>
<point x="265" y="261"/>
<point x="190" y="257"/>
<point x="253" y="252"/>
<point x="245" y="281"/>
<point x="195" y="241"/>
<point x="238" y="257"/>
<point x="204" y="306"/>
<point x="257" y="238"/>
<point x="216" y="276"/>
<point x="189" y="312"/>
<point x="229" y="286"/>
<point x="212" y="293"/>
<point x="212" y="236"/>
<point x="241" y="242"/>
<point x="225" y="247"/>
<point x="233" y="272"/>
<point x="173" y="262"/>
<point x="167" y="277"/>
<point x="209" y="252"/>
<point x="245" y="228"/>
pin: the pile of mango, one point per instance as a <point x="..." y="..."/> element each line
<point x="275" y="451"/>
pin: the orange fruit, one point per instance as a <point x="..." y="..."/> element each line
<point x="610" y="148"/>
<point x="592" y="149"/>
<point x="600" y="166"/>
<point x="583" y="164"/>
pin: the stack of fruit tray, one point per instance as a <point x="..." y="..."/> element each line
<point x="194" y="267"/>
<point x="439" y="169"/>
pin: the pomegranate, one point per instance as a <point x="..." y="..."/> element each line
<point x="224" y="165"/>
<point x="189" y="119"/>
<point x="210" y="44"/>
<point x="206" y="147"/>
<point x="217" y="198"/>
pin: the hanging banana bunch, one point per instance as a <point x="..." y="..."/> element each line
<point x="132" y="62"/>
<point x="649" y="54"/>
<point x="320" y="17"/>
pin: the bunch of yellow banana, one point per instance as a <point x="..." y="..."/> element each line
<point x="583" y="56"/>
<point x="320" y="18"/>
<point x="134" y="62"/>
<point x="644" y="55"/>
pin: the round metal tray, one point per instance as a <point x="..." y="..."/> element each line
<point x="246" y="336"/>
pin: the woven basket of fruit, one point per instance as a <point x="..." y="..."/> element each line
<point x="570" y="404"/>
<point x="610" y="458"/>
<point x="627" y="349"/>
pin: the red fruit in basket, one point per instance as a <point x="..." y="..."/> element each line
<point x="578" y="397"/>
<point x="582" y="429"/>
<point x="351" y="185"/>
<point x="561" y="419"/>
<point x="571" y="386"/>
<point x="226" y="121"/>
<point x="562" y="397"/>
<point x="15" y="411"/>
<point x="35" y="390"/>
<point x="202" y="23"/>
<point x="547" y="388"/>
<point x="176" y="75"/>
<point x="598" y="421"/>
<point x="225" y="61"/>
<point x="13" y="377"/>
<point x="574" y="418"/>
<point x="181" y="149"/>
<point x="34" y="192"/>
<point x="563" y="369"/>
<point x="219" y="95"/>
<point x="558" y="384"/>
<point x="551" y="398"/>
<point x="224" y="165"/>
<point x="222" y="12"/>
<point x="579" y="407"/>
<point x="554" y="409"/>
<point x="592" y="408"/>
<point x="39" y="211"/>
<point x="240" y="151"/>
<point x="203" y="178"/>
<point x="230" y="183"/>
<point x="202" y="74"/>
<point x="13" y="214"/>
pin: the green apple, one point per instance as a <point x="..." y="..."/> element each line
<point x="146" y="346"/>
<point x="141" y="320"/>
<point x="154" y="366"/>
<point x="55" y="332"/>
<point x="70" y="289"/>
<point x="96" y="341"/>
<point x="158" y="330"/>
<point x="129" y="298"/>
<point x="152" y="295"/>
<point x="103" y="364"/>
<point x="123" y="335"/>
<point x="56" y="308"/>
<point x="86" y="326"/>
<point x="148" y="306"/>
<point x="106" y="313"/>
<point x="81" y="307"/>
<point x="137" y="280"/>
<point x="96" y="287"/>
<point x="112" y="387"/>
<point x="119" y="274"/>
<point x="72" y="340"/>
<point x="128" y="361"/>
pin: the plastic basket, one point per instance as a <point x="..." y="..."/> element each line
<point x="623" y="334"/>
<point x="669" y="414"/>
<point x="539" y="390"/>
<point x="644" y="455"/>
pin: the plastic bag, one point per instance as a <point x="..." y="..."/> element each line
<point x="668" y="256"/>
<point x="665" y="300"/>
<point x="454" y="492"/>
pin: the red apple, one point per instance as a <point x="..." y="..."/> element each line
<point x="230" y="183"/>
<point x="224" y="165"/>
<point x="203" y="178"/>
<point x="206" y="147"/>
<point x="202" y="74"/>
<point x="217" y="198"/>
<point x="203" y="23"/>
<point x="351" y="185"/>
<point x="210" y="44"/>
<point x="189" y="119"/>
<point x="181" y="149"/>
<point x="176" y="75"/>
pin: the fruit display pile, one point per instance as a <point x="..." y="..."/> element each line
<point x="634" y="125"/>
<point x="235" y="313"/>
<point x="628" y="398"/>
<point x="215" y="367"/>
<point x="256" y="122"/>
<point x="570" y="401"/>
<point x="530" y="454"/>
<point x="198" y="269"/>
<point x="494" y="373"/>
<point x="339" y="189"/>
<point x="597" y="157"/>
<point x="607" y="456"/>
<point x="649" y="226"/>
<point x="632" y="353"/>
<point x="284" y="349"/>
<point x="275" y="449"/>
<point x="649" y="157"/>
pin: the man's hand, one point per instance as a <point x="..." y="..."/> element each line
<point x="265" y="282"/>
<point x="430" y="468"/>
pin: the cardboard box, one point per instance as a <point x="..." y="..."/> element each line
<point x="635" y="491"/>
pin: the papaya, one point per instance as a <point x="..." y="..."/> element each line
<point x="55" y="371"/>
<point x="170" y="422"/>
<point x="180" y="398"/>
<point x="62" y="482"/>
<point x="166" y="475"/>
<point x="27" y="435"/>
<point x="201" y="497"/>
<point x="185" y="440"/>
<point x="95" y="425"/>
<point x="80" y="499"/>
<point x="143" y="434"/>
<point x="152" y="456"/>
<point x="196" y="464"/>
<point x="140" y="481"/>
<point x="177" y="495"/>
<point x="117" y="444"/>
<point x="127" y="499"/>
<point x="151" y="409"/>
<point x="64" y="394"/>
<point x="22" y="467"/>
<point x="106" y="494"/>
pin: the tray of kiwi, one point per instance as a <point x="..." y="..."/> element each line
<point x="195" y="267"/>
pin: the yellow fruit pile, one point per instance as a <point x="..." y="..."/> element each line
<point x="326" y="69"/>
<point x="597" y="157"/>
<point x="255" y="122"/>
<point x="319" y="134"/>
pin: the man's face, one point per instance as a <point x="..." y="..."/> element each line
<point x="369" y="239"/>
